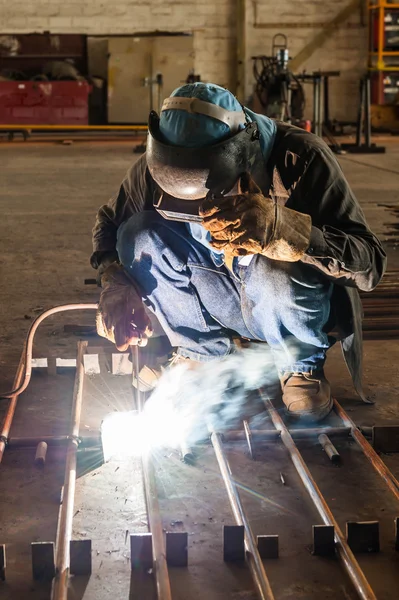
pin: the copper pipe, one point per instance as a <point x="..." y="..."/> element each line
<point x="60" y="582"/>
<point x="252" y="554"/>
<point x="369" y="451"/>
<point x="27" y="354"/>
<point x="11" y="407"/>
<point x="345" y="554"/>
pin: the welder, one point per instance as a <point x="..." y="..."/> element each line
<point x="235" y="225"/>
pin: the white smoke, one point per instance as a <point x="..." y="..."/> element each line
<point x="213" y="392"/>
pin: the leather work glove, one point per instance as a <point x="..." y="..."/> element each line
<point x="121" y="317"/>
<point x="250" y="223"/>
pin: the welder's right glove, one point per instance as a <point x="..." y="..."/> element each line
<point x="121" y="317"/>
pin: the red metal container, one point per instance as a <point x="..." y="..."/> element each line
<point x="44" y="102"/>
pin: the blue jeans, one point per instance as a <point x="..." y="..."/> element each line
<point x="200" y="304"/>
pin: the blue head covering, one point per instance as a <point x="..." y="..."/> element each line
<point x="193" y="130"/>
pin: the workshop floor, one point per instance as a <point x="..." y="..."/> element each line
<point x="49" y="195"/>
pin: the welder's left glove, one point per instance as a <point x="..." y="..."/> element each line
<point x="250" y="223"/>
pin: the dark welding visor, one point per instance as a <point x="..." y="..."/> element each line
<point x="189" y="174"/>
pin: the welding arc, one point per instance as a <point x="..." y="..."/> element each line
<point x="345" y="554"/>
<point x="27" y="358"/>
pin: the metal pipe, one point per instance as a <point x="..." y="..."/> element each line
<point x="11" y="407"/>
<point x="27" y="354"/>
<point x="187" y="454"/>
<point x="136" y="372"/>
<point x="156" y="529"/>
<point x="89" y="441"/>
<point x="367" y="115"/>
<point x="248" y="435"/>
<point x="329" y="448"/>
<point x="151" y="497"/>
<point x="369" y="451"/>
<point x="254" y="560"/>
<point x="345" y="554"/>
<point x="360" y="113"/>
<point x="264" y="435"/>
<point x="41" y="453"/>
<point x="60" y="582"/>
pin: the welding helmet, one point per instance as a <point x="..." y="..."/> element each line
<point x="199" y="145"/>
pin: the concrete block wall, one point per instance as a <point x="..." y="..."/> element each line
<point x="345" y="50"/>
<point x="213" y="24"/>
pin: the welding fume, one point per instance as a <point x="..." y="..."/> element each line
<point x="233" y="225"/>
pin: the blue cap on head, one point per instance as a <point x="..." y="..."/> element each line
<point x="194" y="130"/>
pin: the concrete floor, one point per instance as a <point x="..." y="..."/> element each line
<point x="49" y="195"/>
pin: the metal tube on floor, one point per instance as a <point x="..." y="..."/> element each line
<point x="345" y="554"/>
<point x="89" y="441"/>
<point x="329" y="448"/>
<point x="27" y="353"/>
<point x="11" y="406"/>
<point x="151" y="497"/>
<point x="254" y="560"/>
<point x="265" y="435"/>
<point x="155" y="526"/>
<point x="369" y="451"/>
<point x="60" y="582"/>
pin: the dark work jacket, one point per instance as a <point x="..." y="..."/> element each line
<point x="304" y="176"/>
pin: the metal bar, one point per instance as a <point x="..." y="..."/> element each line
<point x="248" y="435"/>
<point x="329" y="448"/>
<point x="254" y="560"/>
<point x="52" y="440"/>
<point x="359" y="122"/>
<point x="345" y="554"/>
<point x="11" y="406"/>
<point x="155" y="526"/>
<point x="60" y="582"/>
<point x="367" y="115"/>
<point x="316" y="115"/>
<point x="151" y="497"/>
<point x="260" y="435"/>
<point x="369" y="451"/>
<point x="187" y="454"/>
<point x="27" y="354"/>
<point x="135" y="373"/>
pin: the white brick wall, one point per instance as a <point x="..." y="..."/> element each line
<point x="214" y="26"/>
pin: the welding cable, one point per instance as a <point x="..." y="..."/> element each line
<point x="29" y="342"/>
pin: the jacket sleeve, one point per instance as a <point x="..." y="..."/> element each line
<point x="136" y="188"/>
<point x="341" y="243"/>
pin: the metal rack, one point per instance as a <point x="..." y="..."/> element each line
<point x="382" y="61"/>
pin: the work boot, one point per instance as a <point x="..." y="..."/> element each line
<point x="149" y="376"/>
<point x="307" y="395"/>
